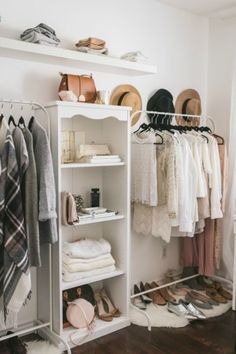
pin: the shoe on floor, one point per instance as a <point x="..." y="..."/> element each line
<point x="194" y="311"/>
<point x="192" y="283"/>
<point x="138" y="301"/>
<point x="155" y="295"/>
<point x="180" y="310"/>
<point x="204" y="298"/>
<point x="226" y="294"/>
<point x="165" y="293"/>
<point x="199" y="303"/>
<point x="214" y="295"/>
<point x="145" y="298"/>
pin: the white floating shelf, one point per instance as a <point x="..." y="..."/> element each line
<point x="101" y="328"/>
<point x="85" y="165"/>
<point x="69" y="285"/>
<point x="92" y="62"/>
<point x="96" y="220"/>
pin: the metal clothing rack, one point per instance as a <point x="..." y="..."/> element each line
<point x="202" y="117"/>
<point x="46" y="326"/>
<point x="233" y="283"/>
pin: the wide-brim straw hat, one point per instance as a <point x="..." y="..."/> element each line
<point x="188" y="102"/>
<point x="127" y="95"/>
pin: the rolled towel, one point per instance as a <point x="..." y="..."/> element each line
<point x="87" y="248"/>
<point x="67" y="276"/>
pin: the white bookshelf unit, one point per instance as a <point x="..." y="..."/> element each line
<point x="101" y="124"/>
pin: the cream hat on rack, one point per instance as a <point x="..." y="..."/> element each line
<point x="127" y="95"/>
<point x="188" y="102"/>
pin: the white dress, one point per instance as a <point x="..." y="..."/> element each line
<point x="144" y="169"/>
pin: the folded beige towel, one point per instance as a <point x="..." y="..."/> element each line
<point x="71" y="260"/>
<point x="67" y="276"/>
<point x="83" y="267"/>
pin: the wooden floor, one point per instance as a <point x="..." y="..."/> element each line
<point x="214" y="336"/>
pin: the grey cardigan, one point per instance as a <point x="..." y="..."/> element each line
<point x="46" y="183"/>
<point x="30" y="188"/>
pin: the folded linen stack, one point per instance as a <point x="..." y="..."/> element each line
<point x="41" y="34"/>
<point x="86" y="258"/>
<point x="104" y="159"/>
<point x="135" y="56"/>
<point x="92" y="45"/>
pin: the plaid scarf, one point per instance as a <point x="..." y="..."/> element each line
<point x="15" y="281"/>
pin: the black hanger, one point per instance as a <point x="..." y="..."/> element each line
<point x="162" y="140"/>
<point x="222" y="142"/>
<point x="11" y="120"/>
<point x="21" y="121"/>
<point x="31" y="122"/>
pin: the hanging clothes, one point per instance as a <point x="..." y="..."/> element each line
<point x="46" y="183"/>
<point x="30" y="188"/>
<point x="189" y="194"/>
<point x="15" y="280"/>
<point x="144" y="170"/>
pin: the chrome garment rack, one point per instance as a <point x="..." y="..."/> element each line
<point x="232" y="283"/>
<point x="46" y="327"/>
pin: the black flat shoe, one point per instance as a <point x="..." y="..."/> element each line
<point x="145" y="298"/>
<point x="138" y="300"/>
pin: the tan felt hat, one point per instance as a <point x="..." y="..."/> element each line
<point x="188" y="102"/>
<point x="127" y="95"/>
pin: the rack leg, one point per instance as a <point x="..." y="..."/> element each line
<point x="145" y="315"/>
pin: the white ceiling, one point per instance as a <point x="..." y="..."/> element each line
<point x="214" y="8"/>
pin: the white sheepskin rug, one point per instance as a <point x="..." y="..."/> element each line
<point x="161" y="317"/>
<point x="42" y="347"/>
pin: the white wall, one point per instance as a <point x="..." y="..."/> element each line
<point x="175" y="41"/>
<point x="222" y="35"/>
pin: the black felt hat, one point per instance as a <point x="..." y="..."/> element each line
<point x="161" y="101"/>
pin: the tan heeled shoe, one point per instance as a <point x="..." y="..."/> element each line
<point x="100" y="309"/>
<point x="113" y="311"/>
<point x="155" y="295"/>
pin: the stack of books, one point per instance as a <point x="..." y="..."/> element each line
<point x="103" y="159"/>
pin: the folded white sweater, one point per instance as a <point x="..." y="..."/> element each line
<point x="68" y="276"/>
<point x="83" y="267"/>
<point x="87" y="248"/>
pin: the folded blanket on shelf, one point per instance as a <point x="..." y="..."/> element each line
<point x="68" y="276"/>
<point x="83" y="267"/>
<point x="87" y="248"/>
<point x="46" y="31"/>
<point x="70" y="260"/>
<point x="35" y="37"/>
